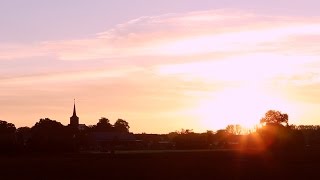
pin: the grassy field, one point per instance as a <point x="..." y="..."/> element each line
<point x="163" y="165"/>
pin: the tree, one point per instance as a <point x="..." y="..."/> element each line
<point x="23" y="136"/>
<point x="275" y="117"/>
<point x="50" y="135"/>
<point x="234" y="129"/>
<point x="6" y="127"/>
<point x="7" y="136"/>
<point x="103" y="125"/>
<point x="185" y="131"/>
<point x="221" y="137"/>
<point x="278" y="137"/>
<point x="187" y="139"/>
<point x="121" y="126"/>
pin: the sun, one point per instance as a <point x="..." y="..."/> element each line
<point x="242" y="105"/>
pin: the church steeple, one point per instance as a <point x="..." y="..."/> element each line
<point x="74" y="108"/>
<point x="74" y="119"/>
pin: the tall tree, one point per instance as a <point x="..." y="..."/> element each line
<point x="50" y="135"/>
<point x="7" y="136"/>
<point x="275" y="117"/>
<point x="6" y="127"/>
<point x="234" y="129"/>
<point x="23" y="136"/>
<point x="277" y="135"/>
<point x="103" y="125"/>
<point x="121" y="126"/>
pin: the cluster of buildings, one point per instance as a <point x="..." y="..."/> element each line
<point x="103" y="139"/>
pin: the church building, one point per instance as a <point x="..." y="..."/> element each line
<point x="74" y="119"/>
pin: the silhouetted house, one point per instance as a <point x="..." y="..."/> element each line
<point x="118" y="140"/>
<point x="112" y="136"/>
<point x="154" y="141"/>
<point x="74" y="120"/>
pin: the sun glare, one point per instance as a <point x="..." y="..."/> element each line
<point x="243" y="105"/>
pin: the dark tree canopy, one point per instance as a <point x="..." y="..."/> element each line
<point x="275" y="117"/>
<point x="276" y="136"/>
<point x="23" y="130"/>
<point x="7" y="136"/>
<point x="7" y="128"/>
<point x="121" y="126"/>
<point x="47" y="125"/>
<point x="103" y="125"/>
<point x="50" y="135"/>
<point x="23" y="135"/>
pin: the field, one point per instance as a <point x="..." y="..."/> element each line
<point x="220" y="164"/>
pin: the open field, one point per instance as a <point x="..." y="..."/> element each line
<point x="163" y="165"/>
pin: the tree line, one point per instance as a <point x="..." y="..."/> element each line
<point x="51" y="136"/>
<point x="275" y="133"/>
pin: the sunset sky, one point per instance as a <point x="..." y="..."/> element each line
<point x="160" y="65"/>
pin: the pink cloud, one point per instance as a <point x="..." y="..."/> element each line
<point x="202" y="32"/>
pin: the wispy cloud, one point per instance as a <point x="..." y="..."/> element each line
<point x="181" y="34"/>
<point x="162" y="64"/>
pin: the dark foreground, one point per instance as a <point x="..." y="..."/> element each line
<point x="163" y="165"/>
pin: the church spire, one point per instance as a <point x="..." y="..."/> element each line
<point x="74" y="108"/>
<point x="74" y="119"/>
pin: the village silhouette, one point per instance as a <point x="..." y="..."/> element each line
<point x="275" y="147"/>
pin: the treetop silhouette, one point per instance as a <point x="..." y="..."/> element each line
<point x="275" y="117"/>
